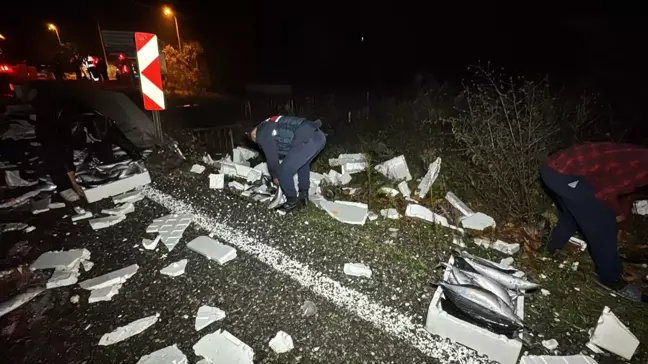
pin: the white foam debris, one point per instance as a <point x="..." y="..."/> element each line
<point x="79" y="210"/>
<point x="82" y="216"/>
<point x="458" y="242"/>
<point x="108" y="221"/>
<point x="344" y="179"/>
<point x="13" y="179"/>
<point x="75" y="299"/>
<point x="39" y="211"/>
<point x="347" y="158"/>
<point x="612" y="335"/>
<point x="554" y="359"/>
<point x="482" y="242"/>
<point x="223" y="347"/>
<point x="580" y="242"/>
<point x="150" y="244"/>
<point x="544" y="292"/>
<point x="64" y="259"/>
<point x="212" y="249"/>
<point x="550" y="344"/>
<point x="236" y="185"/>
<point x="104" y="294"/>
<point x="372" y="216"/>
<point x="170" y="228"/>
<point x="391" y="321"/>
<point x="207" y="315"/>
<point x="478" y="221"/>
<point x="429" y="178"/>
<point x="123" y="209"/>
<point x="388" y="191"/>
<point x="574" y="266"/>
<point x="390" y="213"/>
<point x="308" y="308"/>
<point x="506" y="262"/>
<point x="197" y="168"/>
<point x="19" y="300"/>
<point x="458" y="204"/>
<point x="354" y="213"/>
<point x="87" y="265"/>
<point x="404" y="189"/>
<point x="132" y="329"/>
<point x="12" y="226"/>
<point x="357" y="270"/>
<point x="216" y="181"/>
<point x="128" y="197"/>
<point x="640" y="207"/>
<point x="281" y="343"/>
<point x="242" y="154"/>
<point x="118" y="276"/>
<point x="353" y="167"/>
<point x="56" y="205"/>
<point x="421" y="212"/>
<point x="175" y="269"/>
<point x="595" y="349"/>
<point x="334" y="177"/>
<point x="29" y="229"/>
<point x="169" y="355"/>
<point x="64" y="277"/>
<point x="506" y="248"/>
<point x="395" y="169"/>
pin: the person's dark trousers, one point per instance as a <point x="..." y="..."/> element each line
<point x="59" y="160"/>
<point x="298" y="161"/>
<point x="580" y="210"/>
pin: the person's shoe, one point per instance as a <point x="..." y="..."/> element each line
<point x="303" y="198"/>
<point x="69" y="195"/>
<point x="628" y="291"/>
<point x="291" y="204"/>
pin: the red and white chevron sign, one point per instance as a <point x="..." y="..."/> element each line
<point x="148" y="59"/>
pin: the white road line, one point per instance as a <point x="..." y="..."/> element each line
<point x="385" y="318"/>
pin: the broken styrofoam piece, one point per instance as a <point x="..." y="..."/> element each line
<point x="197" y="168"/>
<point x="119" y="276"/>
<point x="175" y="269"/>
<point x="580" y="242"/>
<point x="347" y="158"/>
<point x="207" y="315"/>
<point x="19" y="300"/>
<point x="12" y="226"/>
<point x="216" y="181"/>
<point x="506" y="248"/>
<point x="235" y="169"/>
<point x="124" y="209"/>
<point x="640" y="207"/>
<point x="506" y="262"/>
<point x="595" y="349"/>
<point x="612" y="335"/>
<point x="308" y="308"/>
<point x="242" y="154"/>
<point x="429" y="178"/>
<point x="63" y="277"/>
<point x="484" y="243"/>
<point x="390" y="213"/>
<point x="128" y="197"/>
<point x="81" y="216"/>
<point x="550" y="344"/>
<point x="151" y="244"/>
<point x="550" y="359"/>
<point x="372" y="216"/>
<point x="38" y="211"/>
<point x="404" y="189"/>
<point x="87" y="265"/>
<point x="65" y="259"/>
<point x="223" y="347"/>
<point x="334" y="177"/>
<point x="354" y="213"/>
<point x="170" y="228"/>
<point x="108" y="221"/>
<point x="353" y="167"/>
<point x="426" y="214"/>
<point x="458" y="242"/>
<point x="29" y="229"/>
<point x="56" y="205"/>
<point x="388" y="191"/>
<point x="357" y="270"/>
<point x="458" y="204"/>
<point x="545" y="292"/>
<point x="104" y="294"/>
<point x="132" y="329"/>
<point x="263" y="168"/>
<point x="254" y="175"/>
<point x="395" y="169"/>
<point x="281" y="343"/>
<point x="13" y="179"/>
<point x="169" y="355"/>
<point x="478" y="221"/>
<point x="117" y="187"/>
<point x="212" y="249"/>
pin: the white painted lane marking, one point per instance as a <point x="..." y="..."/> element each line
<point x="384" y="318"/>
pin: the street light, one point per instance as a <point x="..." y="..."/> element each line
<point x="169" y="12"/>
<point x="2" y="37"/>
<point x="53" y="28"/>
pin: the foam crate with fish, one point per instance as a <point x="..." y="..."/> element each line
<point x="500" y="340"/>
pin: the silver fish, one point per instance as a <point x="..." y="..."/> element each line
<point x="486" y="262"/>
<point x="505" y="279"/>
<point x="278" y="200"/>
<point x="482" y="305"/>
<point x="460" y="276"/>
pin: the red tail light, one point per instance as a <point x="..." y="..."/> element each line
<point x="11" y="87"/>
<point x="5" y="68"/>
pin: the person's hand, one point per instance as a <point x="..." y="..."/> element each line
<point x="620" y="218"/>
<point x="276" y="181"/>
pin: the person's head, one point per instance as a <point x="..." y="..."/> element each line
<point x="253" y="134"/>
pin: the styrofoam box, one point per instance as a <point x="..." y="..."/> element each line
<point x="117" y="187"/>
<point x="497" y="347"/>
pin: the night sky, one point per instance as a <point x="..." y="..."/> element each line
<point x="320" y="43"/>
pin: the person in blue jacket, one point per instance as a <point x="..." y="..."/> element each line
<point x="297" y="141"/>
